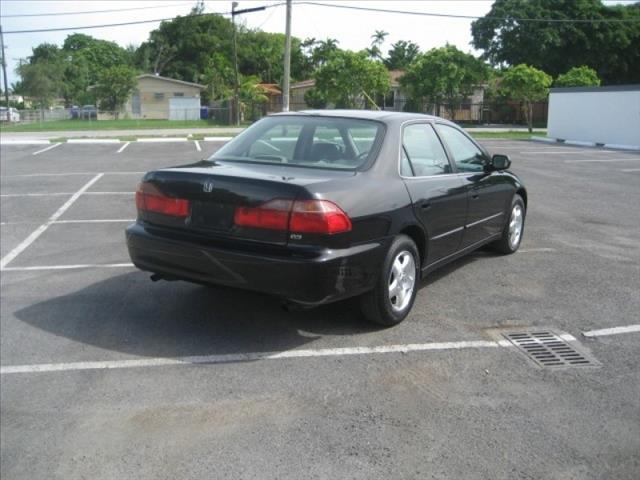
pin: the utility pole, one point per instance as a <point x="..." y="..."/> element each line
<point x="236" y="98"/>
<point x="4" y="73"/>
<point x="236" y="95"/>
<point x="287" y="61"/>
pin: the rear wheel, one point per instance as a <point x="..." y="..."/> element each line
<point x="513" y="228"/>
<point x="392" y="298"/>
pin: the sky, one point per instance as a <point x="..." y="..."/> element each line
<point x="353" y="29"/>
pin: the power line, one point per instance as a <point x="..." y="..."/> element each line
<point x="471" y="17"/>
<point x="348" y="7"/>
<point x="107" y="25"/>
<point x="54" y="14"/>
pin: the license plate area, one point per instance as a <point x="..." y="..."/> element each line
<point x="212" y="216"/>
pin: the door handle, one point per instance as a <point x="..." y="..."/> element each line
<point x="425" y="205"/>
<point x="474" y="193"/>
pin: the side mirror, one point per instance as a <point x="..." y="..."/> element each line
<point x="500" y="162"/>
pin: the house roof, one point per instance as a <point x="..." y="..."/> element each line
<point x="270" y="88"/>
<point x="394" y="78"/>
<point x="173" y="80"/>
<point x="303" y="84"/>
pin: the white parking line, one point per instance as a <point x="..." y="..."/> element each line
<point x="533" y="250"/>
<point x="41" y="229"/>
<point x="21" y="175"/>
<point x="108" y="193"/>
<point x="612" y="331"/>
<point x="630" y="170"/>
<point x="198" y="145"/>
<point x="57" y="194"/>
<point x="10" y="195"/>
<point x="67" y="267"/>
<point x="250" y="356"/>
<point x="121" y="149"/>
<point x="50" y="147"/>
<point x="106" y="220"/>
<point x="595" y="160"/>
<point x="563" y="152"/>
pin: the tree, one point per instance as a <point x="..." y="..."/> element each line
<point x="183" y="48"/>
<point x="252" y="95"/>
<point x="315" y="98"/>
<point x="611" y="48"/>
<point x="114" y="87"/>
<point x="527" y="85"/>
<point x="443" y="75"/>
<point x="401" y="54"/>
<point x="41" y="81"/>
<point x="349" y="76"/>
<point x="578" y="77"/>
<point x="377" y="39"/>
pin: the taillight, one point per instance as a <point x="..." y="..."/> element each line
<point x="301" y="216"/>
<point x="318" y="216"/>
<point x="150" y="199"/>
<point x="273" y="215"/>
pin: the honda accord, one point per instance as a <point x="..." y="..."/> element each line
<point x="318" y="206"/>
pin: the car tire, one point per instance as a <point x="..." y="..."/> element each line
<point x="391" y="300"/>
<point x="513" y="229"/>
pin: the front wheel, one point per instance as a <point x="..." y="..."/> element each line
<point x="392" y="298"/>
<point x="513" y="228"/>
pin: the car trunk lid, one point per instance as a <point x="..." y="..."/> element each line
<point x="214" y="192"/>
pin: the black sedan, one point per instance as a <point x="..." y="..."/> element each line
<point x="319" y="206"/>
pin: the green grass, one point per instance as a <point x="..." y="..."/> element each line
<point x="125" y="124"/>
<point x="509" y="134"/>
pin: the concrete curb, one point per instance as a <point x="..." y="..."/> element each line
<point x="622" y="147"/>
<point x="217" y="139"/>
<point x="578" y="143"/>
<point x="24" y="142"/>
<point x="163" y="139"/>
<point x="543" y="139"/>
<point x="93" y="140"/>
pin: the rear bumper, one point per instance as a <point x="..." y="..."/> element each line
<point x="308" y="280"/>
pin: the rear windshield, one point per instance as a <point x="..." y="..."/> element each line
<point x="317" y="142"/>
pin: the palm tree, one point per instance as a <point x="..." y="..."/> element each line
<point x="377" y="39"/>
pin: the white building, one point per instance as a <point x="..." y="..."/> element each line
<point x="596" y="115"/>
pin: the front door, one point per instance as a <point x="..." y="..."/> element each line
<point x="438" y="195"/>
<point x="487" y="192"/>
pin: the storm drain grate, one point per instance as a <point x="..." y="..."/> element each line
<point x="548" y="349"/>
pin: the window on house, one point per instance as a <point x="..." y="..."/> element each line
<point x="158" y="96"/>
<point x="178" y="94"/>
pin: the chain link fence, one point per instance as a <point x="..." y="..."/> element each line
<point x="221" y="113"/>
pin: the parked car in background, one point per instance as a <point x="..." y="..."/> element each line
<point x="89" y="112"/>
<point x="319" y="206"/>
<point x="86" y="112"/>
<point x="9" y="115"/>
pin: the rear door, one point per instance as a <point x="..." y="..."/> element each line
<point x="438" y="195"/>
<point x="487" y="192"/>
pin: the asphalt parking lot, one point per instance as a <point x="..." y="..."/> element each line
<point x="106" y="374"/>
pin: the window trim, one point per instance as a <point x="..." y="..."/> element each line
<point x="431" y="123"/>
<point x="469" y="137"/>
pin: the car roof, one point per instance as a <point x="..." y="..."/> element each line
<point x="379" y="115"/>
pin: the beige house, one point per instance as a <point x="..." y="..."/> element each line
<point x="165" y="98"/>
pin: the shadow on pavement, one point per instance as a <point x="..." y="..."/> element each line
<point x="130" y="314"/>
